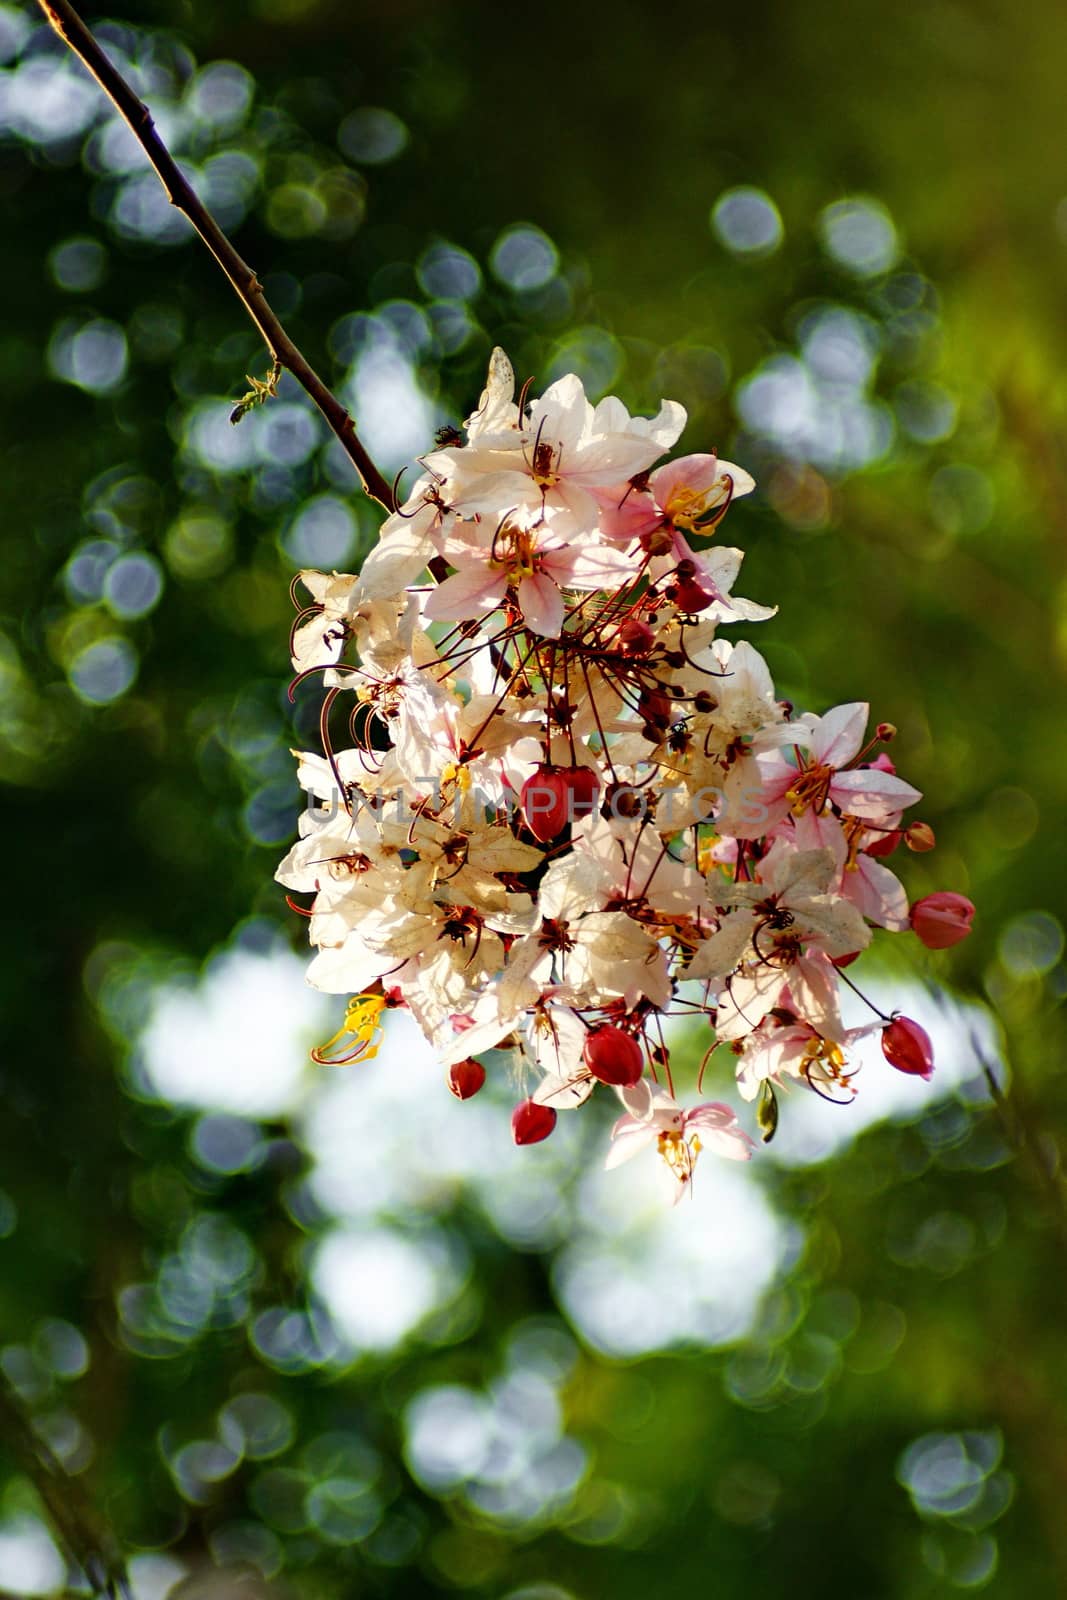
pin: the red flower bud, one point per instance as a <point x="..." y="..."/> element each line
<point x="886" y="731"/>
<point x="613" y="1056"/>
<point x="942" y="919"/>
<point x="656" y="707"/>
<point x="530" y="1123"/>
<point x="635" y="638"/>
<point x="553" y="796"/>
<point x="907" y="1047"/>
<point x="544" y="803"/>
<point x="584" y="787"/>
<point x="919" y="836"/>
<point x="465" y="1078"/>
<point x="689" y="595"/>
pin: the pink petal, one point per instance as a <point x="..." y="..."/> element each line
<point x="542" y="605"/>
<point x="878" y="894"/>
<point x="697" y="473"/>
<point x="729" y="1145"/>
<point x="625" y="516"/>
<point x="466" y="594"/>
<point x="628" y="1139"/>
<point x="839" y="735"/>
<point x="746" y="1000"/>
<point x="719" y="1131"/>
<point x="494" y="493"/>
<point x="813" y="989"/>
<point x="871" y="794"/>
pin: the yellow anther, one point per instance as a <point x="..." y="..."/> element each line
<point x="810" y="789"/>
<point x="705" y="854"/>
<point x="360" y="1031"/>
<point x="455" y="772"/>
<point x="677" y="1154"/>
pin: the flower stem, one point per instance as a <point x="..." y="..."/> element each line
<point x="283" y="352"/>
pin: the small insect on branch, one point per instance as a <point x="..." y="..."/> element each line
<point x="262" y="389"/>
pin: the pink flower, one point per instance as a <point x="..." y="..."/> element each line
<point x="876" y="892"/>
<point x="564" y="450"/>
<point x="527" y="562"/>
<point x="653" y="1118"/>
<point x="942" y="919"/>
<point x="781" y="1050"/>
<point x="684" y="495"/>
<point x="829" y="774"/>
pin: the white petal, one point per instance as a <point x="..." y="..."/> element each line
<point x="564" y="1093"/>
<point x="394" y="563"/>
<point x="720" y="954"/>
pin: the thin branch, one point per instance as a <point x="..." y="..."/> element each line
<point x="1027" y="1141"/>
<point x="283" y="352"/>
<point x="90" y="1543"/>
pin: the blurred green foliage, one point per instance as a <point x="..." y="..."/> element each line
<point x="836" y="234"/>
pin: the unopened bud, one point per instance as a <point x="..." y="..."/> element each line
<point x="613" y="1056"/>
<point x="623" y="800"/>
<point x="583" y="787"/>
<point x="919" y="836"/>
<point x="690" y="596"/>
<point x="767" y="1111"/>
<point x="530" y="1123"/>
<point x="907" y="1047"/>
<point x="544" y="803"/>
<point x="465" y="1078"/>
<point x="655" y="707"/>
<point x="635" y="638"/>
<point x="886" y="731"/>
<point x="943" y="919"/>
<point x="553" y="796"/>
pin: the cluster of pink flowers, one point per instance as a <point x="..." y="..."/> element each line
<point x="566" y="810"/>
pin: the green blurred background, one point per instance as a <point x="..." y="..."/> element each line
<point x="327" y="1334"/>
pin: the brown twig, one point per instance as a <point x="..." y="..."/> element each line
<point x="283" y="352"/>
<point x="90" y="1543"/>
<point x="1027" y="1141"/>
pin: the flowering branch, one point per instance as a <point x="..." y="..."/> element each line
<point x="568" y="812"/>
<point x="283" y="352"/>
<point x="604" y="816"/>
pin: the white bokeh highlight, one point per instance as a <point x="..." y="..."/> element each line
<point x="238" y="1039"/>
<point x="391" y="1152"/>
